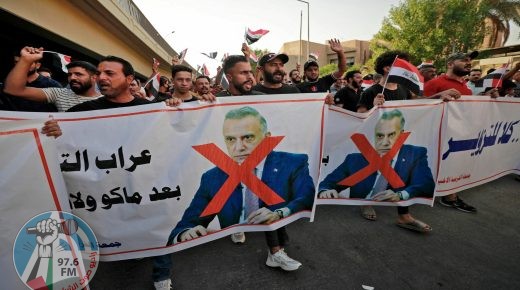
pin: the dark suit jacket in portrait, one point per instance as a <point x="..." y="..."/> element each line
<point x="287" y="174"/>
<point x="411" y="165"/>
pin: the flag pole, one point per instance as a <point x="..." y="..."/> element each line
<point x="502" y="75"/>
<point x="148" y="81"/>
<point x="301" y="20"/>
<point x="386" y="79"/>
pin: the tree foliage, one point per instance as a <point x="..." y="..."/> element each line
<point x="500" y="13"/>
<point x="431" y="30"/>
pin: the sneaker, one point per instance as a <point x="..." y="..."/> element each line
<point x="163" y="285"/>
<point x="238" y="238"/>
<point x="280" y="259"/>
<point x="458" y="204"/>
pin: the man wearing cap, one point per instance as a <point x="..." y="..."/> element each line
<point x="271" y="65"/>
<point x="459" y="65"/>
<point x="313" y="83"/>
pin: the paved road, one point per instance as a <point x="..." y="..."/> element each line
<point x="340" y="250"/>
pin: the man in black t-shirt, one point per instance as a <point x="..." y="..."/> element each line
<point x="272" y="67"/>
<point x="374" y="96"/>
<point x="392" y="92"/>
<point x="348" y="97"/>
<point x="114" y="76"/>
<point x="240" y="77"/>
<point x="313" y="83"/>
<point x="34" y="80"/>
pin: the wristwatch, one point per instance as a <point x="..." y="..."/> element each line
<point x="279" y="212"/>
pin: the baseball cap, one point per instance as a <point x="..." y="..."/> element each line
<point x="460" y="55"/>
<point x="309" y="63"/>
<point x="270" y="56"/>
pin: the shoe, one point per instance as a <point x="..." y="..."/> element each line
<point x="163" y="285"/>
<point x="416" y="225"/>
<point x="238" y="238"/>
<point x="280" y="259"/>
<point x="458" y="204"/>
<point x="368" y="213"/>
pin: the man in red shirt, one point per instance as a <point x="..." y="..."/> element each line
<point x="459" y="65"/>
<point x="454" y="85"/>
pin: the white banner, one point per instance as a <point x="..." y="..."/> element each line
<point x="141" y="176"/>
<point x="30" y="183"/>
<point x="356" y="146"/>
<point x="132" y="173"/>
<point x="480" y="143"/>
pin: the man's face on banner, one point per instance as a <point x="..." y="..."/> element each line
<point x="386" y="133"/>
<point x="242" y="136"/>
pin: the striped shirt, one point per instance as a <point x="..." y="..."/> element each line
<point x="64" y="98"/>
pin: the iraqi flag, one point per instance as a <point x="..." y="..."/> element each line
<point x="156" y="83"/>
<point x="494" y="79"/>
<point x="182" y="55"/>
<point x="64" y="60"/>
<point x="406" y="74"/>
<point x="224" y="82"/>
<point x="224" y="57"/>
<point x="205" y="70"/>
<point x="212" y="55"/>
<point x="314" y="56"/>
<point x="253" y="36"/>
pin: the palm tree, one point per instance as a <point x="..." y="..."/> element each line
<point x="499" y="14"/>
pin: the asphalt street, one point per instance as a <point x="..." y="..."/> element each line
<point x="341" y="250"/>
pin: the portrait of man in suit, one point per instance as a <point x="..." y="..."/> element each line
<point x="411" y="165"/>
<point x="287" y="174"/>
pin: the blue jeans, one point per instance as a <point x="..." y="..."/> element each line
<point x="162" y="267"/>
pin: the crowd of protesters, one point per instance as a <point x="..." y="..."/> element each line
<point x="112" y="84"/>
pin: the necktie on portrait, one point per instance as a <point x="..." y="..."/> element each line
<point x="251" y="201"/>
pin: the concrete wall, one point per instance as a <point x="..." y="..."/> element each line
<point x="100" y="26"/>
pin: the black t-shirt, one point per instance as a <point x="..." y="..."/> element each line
<point x="162" y="97"/>
<point x="322" y="85"/>
<point x="103" y="103"/>
<point x="284" y="89"/>
<point x="368" y="95"/>
<point x="347" y="98"/>
<point x="226" y="93"/>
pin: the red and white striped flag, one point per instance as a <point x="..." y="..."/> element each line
<point x="182" y="55"/>
<point x="406" y="74"/>
<point x="367" y="84"/>
<point x="64" y="59"/>
<point x="253" y="36"/>
<point x="205" y="70"/>
<point x="494" y="79"/>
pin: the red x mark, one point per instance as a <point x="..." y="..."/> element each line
<point x="375" y="162"/>
<point x="239" y="173"/>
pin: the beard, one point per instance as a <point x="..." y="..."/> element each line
<point x="269" y="77"/>
<point x="241" y="87"/>
<point x="356" y="85"/>
<point x="460" y="72"/>
<point x="80" y="88"/>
